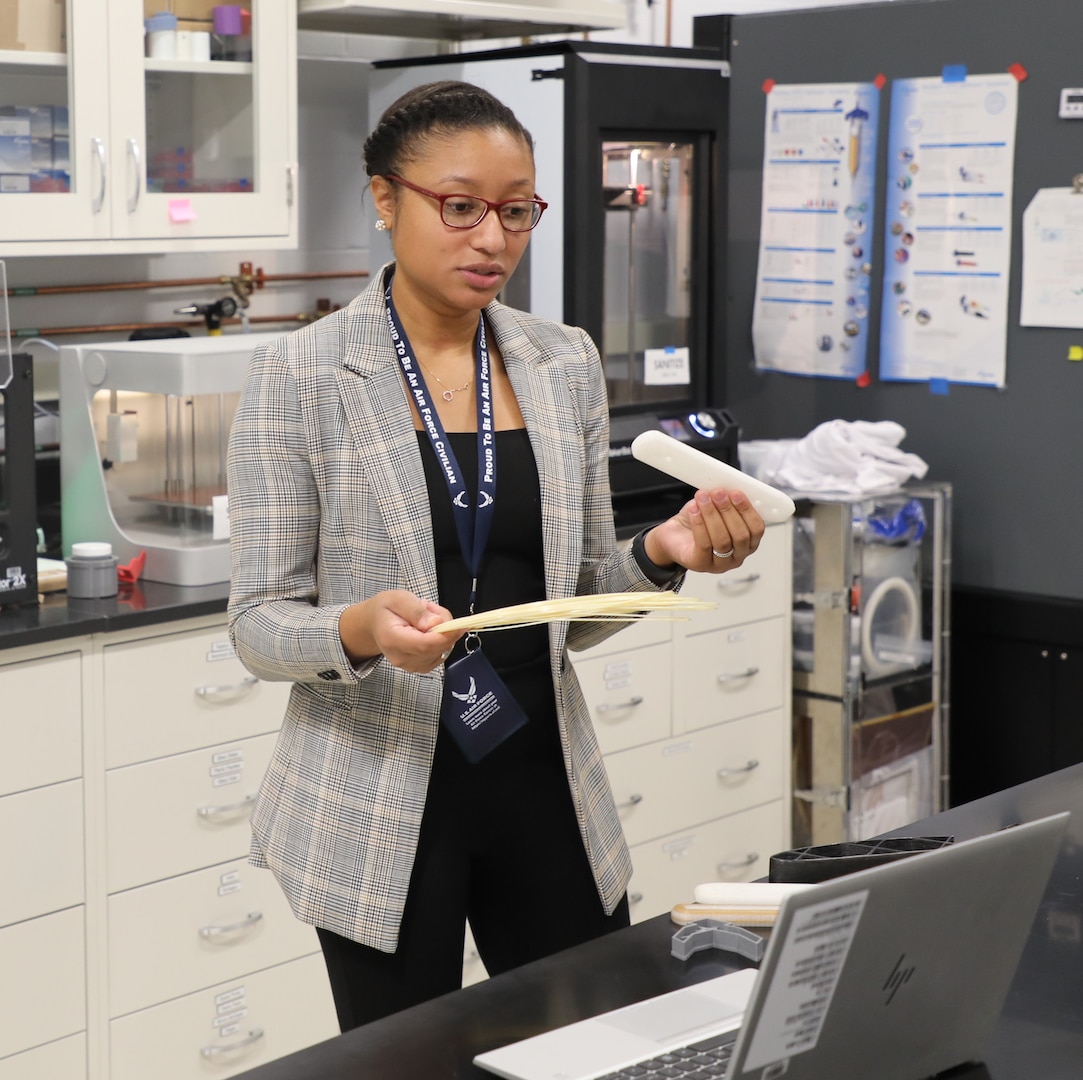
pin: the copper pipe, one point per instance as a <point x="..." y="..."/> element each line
<point x="127" y="328"/>
<point x="257" y="279"/>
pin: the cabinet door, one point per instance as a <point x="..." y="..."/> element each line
<point x="60" y="193"/>
<point x="64" y="1059"/>
<point x="201" y="148"/>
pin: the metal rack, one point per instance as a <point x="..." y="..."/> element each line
<point x="871" y="679"/>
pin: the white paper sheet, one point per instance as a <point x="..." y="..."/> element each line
<point x="816" y="228"/>
<point x="947" y="249"/>
<point x="1053" y="259"/>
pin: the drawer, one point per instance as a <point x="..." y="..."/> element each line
<point x="181" y="692"/>
<point x="666" y="787"/>
<point x="201" y="929"/>
<point x="41" y="724"/>
<point x="61" y="1060"/>
<point x="227" y="1029"/>
<point x="628" y="695"/>
<point x="759" y="588"/>
<point x="732" y="672"/>
<point x="182" y="813"/>
<point x="41" y="851"/>
<point x="636" y="635"/>
<point x="734" y="848"/>
<point x="42" y="981"/>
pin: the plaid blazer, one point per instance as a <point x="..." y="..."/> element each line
<point x="328" y="505"/>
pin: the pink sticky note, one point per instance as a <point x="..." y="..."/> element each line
<point x="180" y="210"/>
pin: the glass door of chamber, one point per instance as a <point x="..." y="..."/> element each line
<point x="648" y="270"/>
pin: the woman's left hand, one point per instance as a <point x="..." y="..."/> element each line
<point x="713" y="532"/>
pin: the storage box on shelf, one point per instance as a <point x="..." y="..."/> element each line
<point x="175" y="959"/>
<point x="871" y="692"/>
<point x="693" y="719"/>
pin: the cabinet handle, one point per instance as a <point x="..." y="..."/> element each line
<point x="740" y="864"/>
<point x="631" y="703"/>
<point x="726" y="773"/>
<point x="228" y="692"/>
<point x="210" y="813"/>
<point x="213" y="933"/>
<point x="632" y="800"/>
<point x="213" y="1053"/>
<point x="99" y="199"/>
<point x="725" y="582"/>
<point x="134" y="155"/>
<point x="735" y="676"/>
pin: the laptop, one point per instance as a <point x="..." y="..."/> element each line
<point x="899" y="972"/>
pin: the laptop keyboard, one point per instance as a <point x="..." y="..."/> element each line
<point x="706" y="1060"/>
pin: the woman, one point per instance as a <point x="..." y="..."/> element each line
<point x="423" y="452"/>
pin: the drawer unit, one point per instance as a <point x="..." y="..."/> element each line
<point x="182" y="813"/>
<point x="64" y="1059"/>
<point x="759" y="588"/>
<point x="628" y="695"/>
<point x="41" y="722"/>
<point x="733" y="672"/>
<point x="228" y="1028"/>
<point x="635" y="635"/>
<point x="43" y="988"/>
<point x="200" y="928"/>
<point x="179" y="692"/>
<point x="41" y="851"/>
<point x="667" y="786"/>
<point x="734" y="848"/>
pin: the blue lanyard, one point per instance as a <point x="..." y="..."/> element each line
<point x="473" y="528"/>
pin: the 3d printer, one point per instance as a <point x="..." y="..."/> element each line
<point x="143" y="433"/>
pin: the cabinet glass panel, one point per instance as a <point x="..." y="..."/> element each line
<point x="35" y="98"/>
<point x="648" y="264"/>
<point x="200" y="104"/>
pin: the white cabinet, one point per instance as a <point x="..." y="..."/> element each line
<point x="693" y="719"/>
<point x="151" y="155"/>
<point x="135" y="939"/>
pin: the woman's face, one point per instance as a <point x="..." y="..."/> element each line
<point x="454" y="271"/>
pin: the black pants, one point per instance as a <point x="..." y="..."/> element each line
<point x="499" y="845"/>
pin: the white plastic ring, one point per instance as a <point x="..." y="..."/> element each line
<point x="873" y="664"/>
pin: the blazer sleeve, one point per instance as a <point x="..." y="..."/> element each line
<point x="276" y="625"/>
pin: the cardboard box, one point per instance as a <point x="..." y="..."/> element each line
<point x="33" y="26"/>
<point x="198" y="11"/>
<point x="15" y="143"/>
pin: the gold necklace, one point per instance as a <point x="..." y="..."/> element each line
<point x="448" y="394"/>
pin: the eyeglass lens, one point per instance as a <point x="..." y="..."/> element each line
<point x="463" y="212"/>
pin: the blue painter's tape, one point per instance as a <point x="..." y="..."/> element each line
<point x="938" y="386"/>
<point x="954" y="73"/>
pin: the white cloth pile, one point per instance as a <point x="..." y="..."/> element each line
<point x="855" y="457"/>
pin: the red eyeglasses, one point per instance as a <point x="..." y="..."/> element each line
<point x="465" y="211"/>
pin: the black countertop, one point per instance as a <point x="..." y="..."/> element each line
<point x="143" y="604"/>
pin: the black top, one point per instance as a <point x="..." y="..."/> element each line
<point x="513" y="567"/>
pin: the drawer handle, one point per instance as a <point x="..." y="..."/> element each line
<point x="214" y="1053"/>
<point x="726" y="773"/>
<point x="632" y="800"/>
<point x="738" y="675"/>
<point x="750" y="860"/>
<point x="229" y="692"/>
<point x="99" y="198"/>
<point x="725" y="582"/>
<point x="213" y="813"/>
<point x="213" y="933"/>
<point x="635" y="898"/>
<point x="631" y="703"/>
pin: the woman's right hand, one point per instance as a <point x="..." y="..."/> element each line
<point x="395" y="624"/>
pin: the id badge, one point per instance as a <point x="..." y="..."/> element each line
<point x="478" y="710"/>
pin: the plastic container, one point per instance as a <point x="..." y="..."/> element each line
<point x="92" y="571"/>
<point x="230" y="39"/>
<point x="161" y="36"/>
